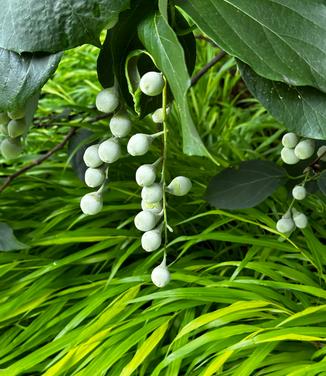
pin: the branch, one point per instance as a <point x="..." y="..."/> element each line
<point x="38" y="161"/>
<point x="207" y="67"/>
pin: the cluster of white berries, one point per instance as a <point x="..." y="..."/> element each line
<point x="295" y="149"/>
<point x="290" y="220"/>
<point x="13" y="126"/>
<point x="99" y="156"/>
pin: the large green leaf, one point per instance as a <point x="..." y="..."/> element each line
<point x="55" y="25"/>
<point x="282" y="40"/>
<point x="8" y="241"/>
<point x="162" y="43"/>
<point x="244" y="187"/>
<point x="22" y="76"/>
<point x="301" y="109"/>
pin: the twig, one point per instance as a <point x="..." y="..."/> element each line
<point x="208" y="66"/>
<point x="38" y="161"/>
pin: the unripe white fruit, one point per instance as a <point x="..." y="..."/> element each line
<point x="160" y="275"/>
<point x="157" y="115"/>
<point x="152" y="83"/>
<point x="107" y="100"/>
<point x="290" y="140"/>
<point x="91" y="203"/>
<point x="288" y="156"/>
<point x="305" y="149"/>
<point x="179" y="186"/>
<point x="16" y="128"/>
<point x="109" y="150"/>
<point x="154" y="207"/>
<point x="139" y="144"/>
<point x="145" y="175"/>
<point x="91" y="157"/>
<point x="10" y="148"/>
<point x="153" y="193"/>
<point x="94" y="177"/>
<point x="299" y="192"/>
<point x="322" y="152"/>
<point x="120" y="125"/>
<point x="285" y="225"/>
<point x="16" y="114"/>
<point x="300" y="220"/>
<point x="4" y="118"/>
<point x="145" y="221"/>
<point x="151" y="240"/>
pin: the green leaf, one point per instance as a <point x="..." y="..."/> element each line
<point x="8" y="241"/>
<point x="282" y="40"/>
<point x="244" y="187"/>
<point x="22" y="76"/>
<point x="322" y="182"/>
<point x="53" y="26"/>
<point x="163" y="45"/>
<point x="301" y="109"/>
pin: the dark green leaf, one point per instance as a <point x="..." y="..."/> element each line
<point x="322" y="182"/>
<point x="244" y="187"/>
<point x="8" y="241"/>
<point x="55" y="25"/>
<point x="282" y="40"/>
<point x="22" y="76"/>
<point x="163" y="45"/>
<point x="301" y="109"/>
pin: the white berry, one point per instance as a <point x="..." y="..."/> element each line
<point x="151" y="240"/>
<point x="152" y="83"/>
<point x="16" y="128"/>
<point x="10" y="149"/>
<point x="107" y="100"/>
<point x="288" y="156"/>
<point x="91" y="203"/>
<point x="109" y="150"/>
<point x="139" y="144"/>
<point x="145" y="221"/>
<point x="322" y="152"/>
<point x="120" y="125"/>
<point x="94" y="177"/>
<point x="160" y="276"/>
<point x="153" y="193"/>
<point x="300" y="220"/>
<point x="299" y="192"/>
<point x="154" y="207"/>
<point x="179" y="186"/>
<point x="305" y="149"/>
<point x="157" y="115"/>
<point x="285" y="225"/>
<point x="91" y="157"/>
<point x="290" y="140"/>
<point x="145" y="175"/>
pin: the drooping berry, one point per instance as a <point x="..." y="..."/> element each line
<point x="152" y="83"/>
<point x="94" y="177"/>
<point x="91" y="157"/>
<point x="305" y="149"/>
<point x="285" y="225"/>
<point x="109" y="150"/>
<point x="321" y="153"/>
<point x="160" y="275"/>
<point x="288" y="156"/>
<point x="154" y="207"/>
<point x="153" y="193"/>
<point x="299" y="192"/>
<point x="300" y="219"/>
<point x="107" y="100"/>
<point x="179" y="186"/>
<point x="120" y="125"/>
<point x="91" y="203"/>
<point x="16" y="128"/>
<point x="151" y="240"/>
<point x="139" y="144"/>
<point x="290" y="140"/>
<point x="10" y="148"/>
<point x="145" y="175"/>
<point x="145" y="221"/>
